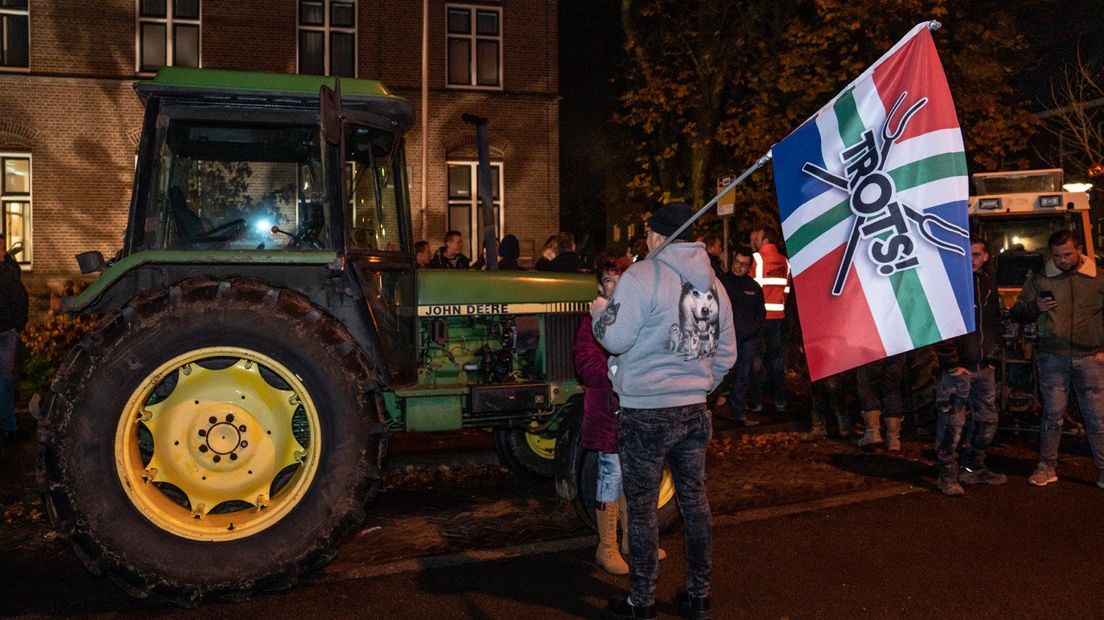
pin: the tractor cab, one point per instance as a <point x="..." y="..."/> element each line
<point x="1016" y="212"/>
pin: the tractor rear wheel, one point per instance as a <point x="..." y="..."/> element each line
<point x="211" y="439"/>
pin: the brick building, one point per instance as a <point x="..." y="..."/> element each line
<point x="70" y="121"/>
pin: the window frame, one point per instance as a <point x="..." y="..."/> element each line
<point x="26" y="258"/>
<point x="473" y="39"/>
<point x="327" y="30"/>
<point x="170" y="21"/>
<point x="473" y="202"/>
<point x="3" y="36"/>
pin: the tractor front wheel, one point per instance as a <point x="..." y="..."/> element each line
<point x="528" y="451"/>
<point x="211" y="439"/>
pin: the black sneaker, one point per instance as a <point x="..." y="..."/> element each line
<point x="981" y="476"/>
<point x="696" y="607"/>
<point x="623" y="610"/>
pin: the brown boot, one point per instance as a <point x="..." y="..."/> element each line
<point x="606" y="554"/>
<point x="624" y="507"/>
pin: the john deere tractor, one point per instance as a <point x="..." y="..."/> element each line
<point x="263" y="330"/>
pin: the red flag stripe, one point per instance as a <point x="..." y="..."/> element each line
<point x="915" y="67"/>
<point x="839" y="332"/>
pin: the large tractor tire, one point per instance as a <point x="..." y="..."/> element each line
<point x="527" y="451"/>
<point x="211" y="439"/>
<point x="576" y="475"/>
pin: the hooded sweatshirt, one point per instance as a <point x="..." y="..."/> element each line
<point x="668" y="328"/>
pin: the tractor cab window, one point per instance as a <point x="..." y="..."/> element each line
<point x="1019" y="244"/>
<point x="375" y="190"/>
<point x="235" y="187"/>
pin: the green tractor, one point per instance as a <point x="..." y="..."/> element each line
<point x="262" y="332"/>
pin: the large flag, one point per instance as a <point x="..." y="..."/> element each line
<point x="872" y="194"/>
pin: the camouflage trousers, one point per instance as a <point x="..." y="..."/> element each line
<point x="646" y="439"/>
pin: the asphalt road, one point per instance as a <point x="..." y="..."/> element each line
<point x="1000" y="552"/>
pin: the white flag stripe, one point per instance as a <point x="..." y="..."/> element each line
<point x="923" y="146"/>
<point x="901" y="154"/>
<point x="870" y="107"/>
<point x="882" y="300"/>
<point x="934" y="193"/>
<point x="830" y="143"/>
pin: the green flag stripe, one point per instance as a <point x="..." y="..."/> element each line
<point x="915" y="308"/>
<point x="851" y="126"/>
<point x="905" y="177"/>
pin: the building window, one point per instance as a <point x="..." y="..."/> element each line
<point x="14" y="34"/>
<point x="464" y="214"/>
<point x="474" y="46"/>
<point x="327" y="37"/>
<point x="15" y="200"/>
<point x="168" y="34"/>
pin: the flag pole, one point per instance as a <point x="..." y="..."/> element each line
<point x="759" y="163"/>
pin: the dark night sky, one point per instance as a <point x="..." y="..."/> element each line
<point x="595" y="153"/>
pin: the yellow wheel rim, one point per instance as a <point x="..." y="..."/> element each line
<point x="666" y="487"/>
<point x="544" y="447"/>
<point x="218" y="444"/>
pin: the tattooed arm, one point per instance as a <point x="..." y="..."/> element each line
<point x="618" y="324"/>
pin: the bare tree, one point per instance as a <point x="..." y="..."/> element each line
<point x="1075" y="117"/>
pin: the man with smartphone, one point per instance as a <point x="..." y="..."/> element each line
<point x="1067" y="301"/>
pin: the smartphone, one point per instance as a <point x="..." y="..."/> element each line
<point x="1047" y="295"/>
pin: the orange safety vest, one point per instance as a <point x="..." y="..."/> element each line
<point x="772" y="272"/>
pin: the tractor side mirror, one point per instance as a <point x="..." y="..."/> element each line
<point x="91" y="262"/>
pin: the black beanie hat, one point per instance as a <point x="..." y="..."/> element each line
<point x="509" y="247"/>
<point x="668" y="218"/>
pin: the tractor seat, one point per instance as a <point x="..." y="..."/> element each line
<point x="192" y="229"/>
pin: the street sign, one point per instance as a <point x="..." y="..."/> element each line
<point x="726" y="206"/>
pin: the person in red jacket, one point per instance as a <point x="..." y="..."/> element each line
<point x="772" y="271"/>
<point x="600" y="424"/>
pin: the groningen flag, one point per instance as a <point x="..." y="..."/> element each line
<point x="872" y="194"/>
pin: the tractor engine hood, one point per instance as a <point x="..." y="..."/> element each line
<point x="457" y="293"/>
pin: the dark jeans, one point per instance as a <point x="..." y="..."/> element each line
<point x="775" y="361"/>
<point x="957" y="395"/>
<point x="9" y="340"/>
<point x="746" y="350"/>
<point x="879" y="386"/>
<point x="645" y="439"/>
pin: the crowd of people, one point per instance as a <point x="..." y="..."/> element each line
<point x="558" y="254"/>
<point x="670" y="331"/>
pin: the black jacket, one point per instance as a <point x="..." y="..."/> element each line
<point x="565" y="262"/>
<point x="13" y="297"/>
<point x="440" y="261"/>
<point x="748" y="311"/>
<point x="718" y="268"/>
<point x="981" y="346"/>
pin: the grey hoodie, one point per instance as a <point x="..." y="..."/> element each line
<point x="668" y="328"/>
